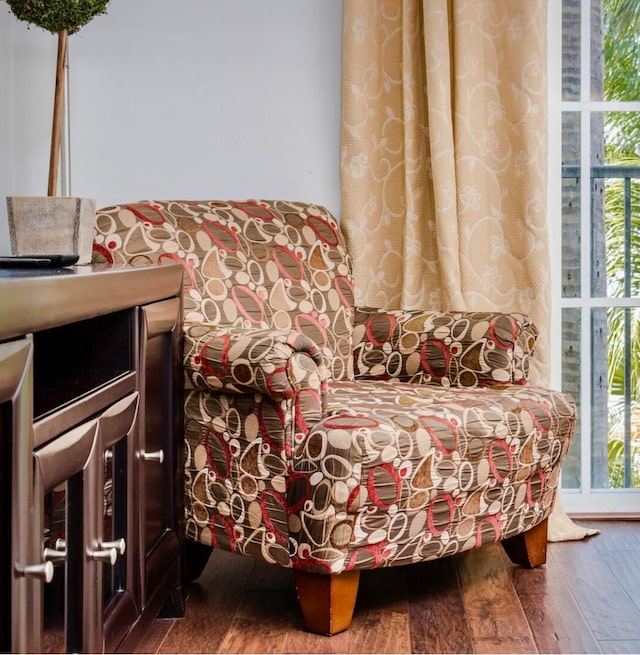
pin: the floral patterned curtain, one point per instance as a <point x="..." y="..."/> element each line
<point x="444" y="156"/>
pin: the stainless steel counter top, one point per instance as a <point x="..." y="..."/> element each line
<point x="32" y="300"/>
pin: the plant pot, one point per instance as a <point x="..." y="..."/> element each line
<point x="52" y="225"/>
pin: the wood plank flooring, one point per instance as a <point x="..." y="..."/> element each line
<point x="586" y="599"/>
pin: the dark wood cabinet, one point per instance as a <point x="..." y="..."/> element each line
<point x="16" y="508"/>
<point x="92" y="464"/>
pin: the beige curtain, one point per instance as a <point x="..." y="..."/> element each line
<point x="444" y="159"/>
<point x="444" y="155"/>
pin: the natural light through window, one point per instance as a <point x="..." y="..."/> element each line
<point x="599" y="289"/>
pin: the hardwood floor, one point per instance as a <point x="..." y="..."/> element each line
<point x="586" y="599"/>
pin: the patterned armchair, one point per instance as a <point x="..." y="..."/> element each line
<point x="332" y="438"/>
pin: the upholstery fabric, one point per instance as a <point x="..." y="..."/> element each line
<point x="424" y="472"/>
<point x="243" y="361"/>
<point x="252" y="264"/>
<point x="326" y="437"/>
<point x="447" y="348"/>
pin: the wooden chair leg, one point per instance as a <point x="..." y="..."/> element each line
<point x="327" y="601"/>
<point x="528" y="549"/>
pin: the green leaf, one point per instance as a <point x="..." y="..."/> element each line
<point x="56" y="15"/>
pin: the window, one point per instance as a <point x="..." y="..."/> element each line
<point x="594" y="112"/>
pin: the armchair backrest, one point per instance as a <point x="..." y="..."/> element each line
<point x="259" y="263"/>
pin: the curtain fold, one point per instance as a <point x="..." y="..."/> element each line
<point x="444" y="161"/>
<point x="443" y="158"/>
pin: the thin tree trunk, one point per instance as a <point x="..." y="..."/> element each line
<point x="58" y="111"/>
<point x="571" y="209"/>
<point x="599" y="327"/>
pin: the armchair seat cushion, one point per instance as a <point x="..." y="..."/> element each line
<point x="398" y="473"/>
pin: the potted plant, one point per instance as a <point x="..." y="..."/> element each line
<point x="34" y="222"/>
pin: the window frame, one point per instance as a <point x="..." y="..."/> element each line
<point x="585" y="501"/>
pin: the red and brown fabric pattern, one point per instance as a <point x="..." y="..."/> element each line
<point x="327" y="437"/>
<point x="251" y="264"/>
<point x="465" y="349"/>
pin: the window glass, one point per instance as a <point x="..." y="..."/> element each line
<point x="571" y="50"/>
<point x="616" y="72"/>
<point x="571" y="384"/>
<point x="601" y="209"/>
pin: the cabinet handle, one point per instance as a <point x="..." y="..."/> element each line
<point x="120" y="545"/>
<point x="43" y="571"/>
<point x="108" y="555"/>
<point x="57" y="553"/>
<point x="154" y="456"/>
<point x="53" y="555"/>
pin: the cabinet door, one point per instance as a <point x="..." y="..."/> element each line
<point x="62" y="493"/>
<point x="83" y="491"/>
<point x="161" y="453"/>
<point x="116" y="524"/>
<point x="20" y="561"/>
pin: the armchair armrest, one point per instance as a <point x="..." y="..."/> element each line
<point x="277" y="363"/>
<point x="464" y="349"/>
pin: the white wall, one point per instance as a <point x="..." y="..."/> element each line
<point x="188" y="99"/>
<point x="6" y="121"/>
